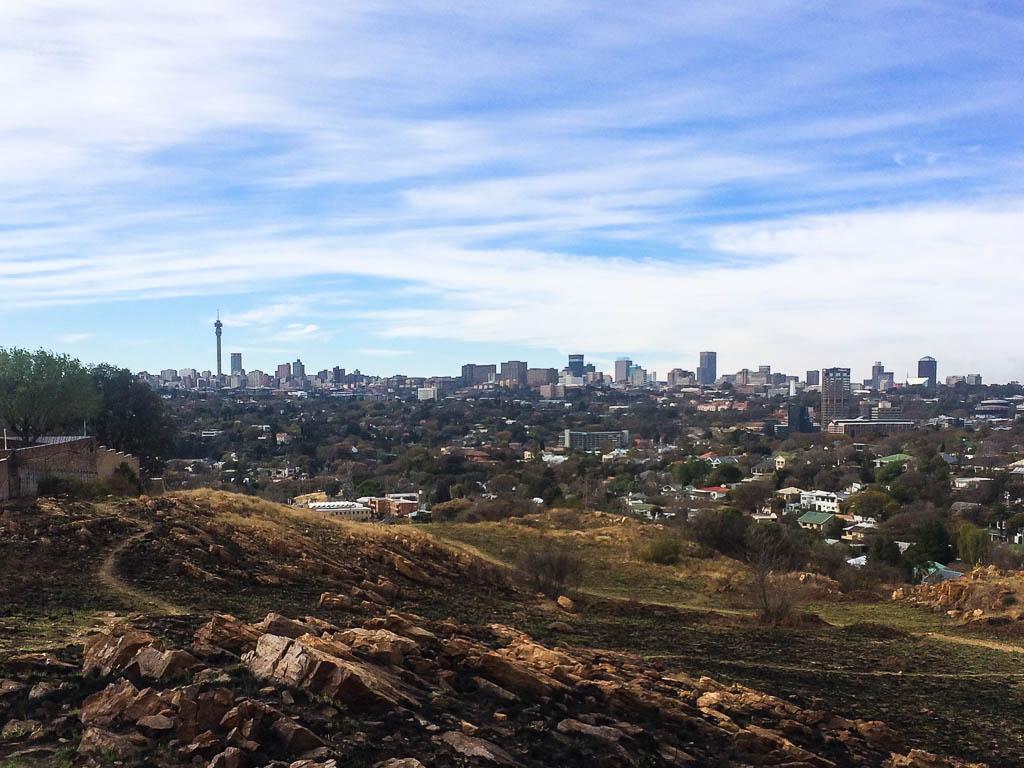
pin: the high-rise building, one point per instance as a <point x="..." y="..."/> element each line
<point x="217" y="326"/>
<point x="835" y="395"/>
<point x="799" y="419"/>
<point x="236" y="363"/>
<point x="284" y="371"/>
<point x="707" y="371"/>
<point x="813" y="378"/>
<point x="877" y="370"/>
<point x="576" y="366"/>
<point x="622" y="366"/>
<point x="514" y="371"/>
<point x="927" y="368"/>
<point x="538" y="377"/>
<point x="337" y="375"/>
<point x="298" y="369"/>
<point x="473" y="374"/>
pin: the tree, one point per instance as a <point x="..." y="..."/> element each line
<point x="131" y="417"/>
<point x="871" y="503"/>
<point x="750" y="497"/>
<point x="41" y="391"/>
<point x="933" y="540"/>
<point x="972" y="544"/>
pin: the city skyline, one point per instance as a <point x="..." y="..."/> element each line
<point x="679" y="178"/>
<point x="482" y="371"/>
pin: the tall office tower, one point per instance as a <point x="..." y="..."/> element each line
<point x="927" y="368"/>
<point x="514" y="371"/>
<point x="707" y="371"/>
<point x="576" y="366"/>
<point x="622" y="366"/>
<point x="468" y="374"/>
<point x="217" y="326"/>
<point x="799" y="419"/>
<point x="337" y="375"/>
<point x="298" y="369"/>
<point x="284" y="371"/>
<point x="813" y="378"/>
<point x="835" y="395"/>
<point x="877" y="371"/>
<point x="236" y="363"/>
<point x="765" y="369"/>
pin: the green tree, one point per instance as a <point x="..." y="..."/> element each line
<point x="933" y="540"/>
<point x="131" y="417"/>
<point x="42" y="391"/>
<point x="972" y="544"/>
<point x="871" y="503"/>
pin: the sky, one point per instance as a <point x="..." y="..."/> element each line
<point x="403" y="187"/>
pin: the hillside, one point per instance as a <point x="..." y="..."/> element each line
<point x="207" y="628"/>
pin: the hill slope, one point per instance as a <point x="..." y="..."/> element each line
<point x="138" y="630"/>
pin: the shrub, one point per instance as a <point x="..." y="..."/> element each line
<point x="724" y="530"/>
<point x="663" y="550"/>
<point x="549" y="567"/>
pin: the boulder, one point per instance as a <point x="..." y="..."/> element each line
<point x="880" y="736"/>
<point x="294" y="737"/>
<point x="106" y="706"/>
<point x="227" y="632"/>
<point x="603" y="733"/>
<point x="99" y="742"/>
<point x="399" y="762"/>
<point x="112" y="650"/>
<point x="276" y="624"/>
<point x="335" y="602"/>
<point x="516" y="676"/>
<point x="381" y="644"/>
<point x="299" y="664"/>
<point x="156" y="725"/>
<point x="566" y="603"/>
<point x="232" y="757"/>
<point x="160" y="665"/>
<point x="471" y="746"/>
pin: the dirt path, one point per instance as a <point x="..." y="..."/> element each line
<point x="975" y="641"/>
<point x="108" y="577"/>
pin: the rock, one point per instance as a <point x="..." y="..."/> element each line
<point x="336" y="602"/>
<point x="15" y="730"/>
<point x="28" y="662"/>
<point x="99" y="742"/>
<point x="918" y="758"/>
<point x="560" y="626"/>
<point x="600" y="732"/>
<point x="410" y="570"/>
<point x="232" y="757"/>
<point x="276" y="624"/>
<point x="9" y="687"/>
<point x="400" y="762"/>
<point x="106" y="652"/>
<point x="227" y="632"/>
<point x="305" y="663"/>
<point x="293" y="736"/>
<point x="566" y="604"/>
<point x="156" y="725"/>
<point x="492" y="689"/>
<point x="880" y="736"/>
<point x="106" y="706"/>
<point x="44" y="689"/>
<point x="381" y="644"/>
<point x="160" y="665"/>
<point x="470" y="746"/>
<point x="516" y="676"/>
<point x="204" y="745"/>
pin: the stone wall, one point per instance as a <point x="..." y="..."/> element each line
<point x="81" y="459"/>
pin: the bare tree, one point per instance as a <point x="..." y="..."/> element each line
<point x="769" y="559"/>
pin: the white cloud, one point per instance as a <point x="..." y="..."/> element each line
<point x="74" y="338"/>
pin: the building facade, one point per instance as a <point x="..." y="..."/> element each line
<point x="594" y="441"/>
<point x="928" y="368"/>
<point x="707" y="371"/>
<point x="835" y="395"/>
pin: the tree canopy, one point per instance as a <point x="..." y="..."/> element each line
<point x="131" y="417"/>
<point x="41" y="392"/>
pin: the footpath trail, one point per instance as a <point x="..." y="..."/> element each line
<point x="107" y="574"/>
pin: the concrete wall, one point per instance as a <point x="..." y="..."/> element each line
<point x="7" y="474"/>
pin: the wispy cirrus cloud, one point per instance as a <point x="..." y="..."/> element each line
<point x="679" y="177"/>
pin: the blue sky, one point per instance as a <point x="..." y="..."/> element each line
<point x="404" y="187"/>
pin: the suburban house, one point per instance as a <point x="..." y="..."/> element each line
<point x="815" y="521"/>
<point x="714" y="493"/>
<point x="822" y="501"/>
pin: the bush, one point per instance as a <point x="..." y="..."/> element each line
<point x="549" y="567"/>
<point x="725" y="531"/>
<point x="664" y="550"/>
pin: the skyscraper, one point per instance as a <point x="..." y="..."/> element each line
<point x="236" y="363"/>
<point x="576" y="366"/>
<point x="514" y="371"/>
<point x="813" y="378"/>
<point x="217" y="326"/>
<point x="877" y="371"/>
<point x="707" y="371"/>
<point x="835" y="395"/>
<point x="622" y="366"/>
<point x="298" y="369"/>
<point x="799" y="420"/>
<point x="928" y="368"/>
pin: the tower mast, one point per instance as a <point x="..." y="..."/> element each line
<point x="217" y="326"/>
